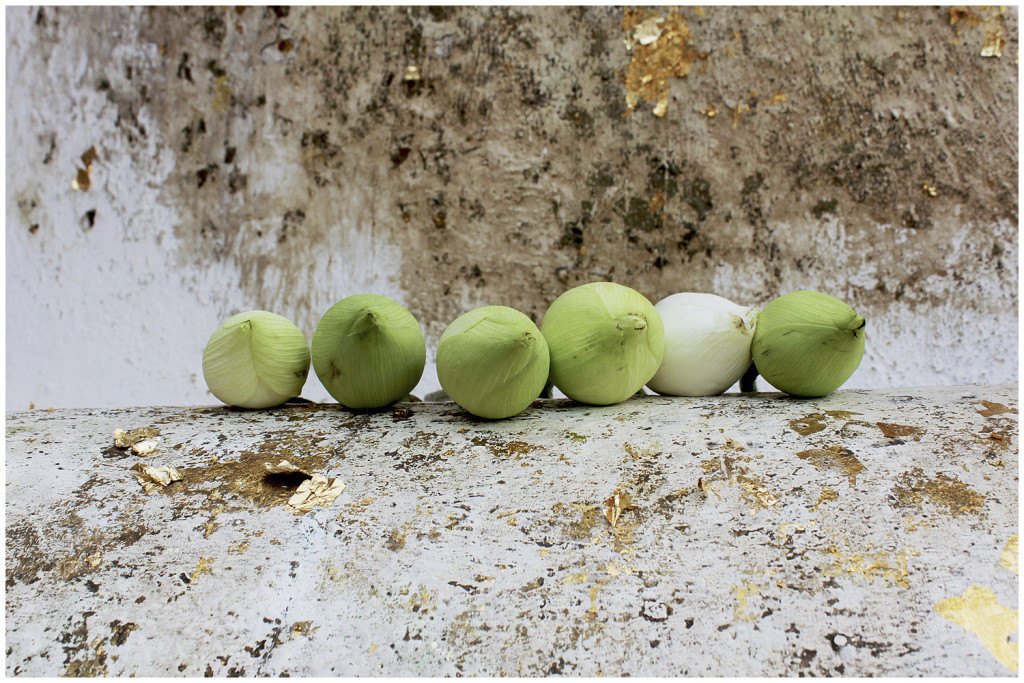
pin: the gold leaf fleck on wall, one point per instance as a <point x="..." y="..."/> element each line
<point x="222" y="95"/>
<point x="83" y="176"/>
<point x="994" y="44"/>
<point x="742" y="108"/>
<point x="989" y="18"/>
<point x="977" y="611"/>
<point x="155" y="478"/>
<point x="827" y="494"/>
<point x="661" y="49"/>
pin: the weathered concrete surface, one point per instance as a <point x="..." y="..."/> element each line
<point x="770" y="536"/>
<point x="284" y="158"/>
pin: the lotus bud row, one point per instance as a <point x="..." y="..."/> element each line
<point x="598" y="343"/>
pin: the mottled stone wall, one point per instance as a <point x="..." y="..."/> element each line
<point x="454" y="157"/>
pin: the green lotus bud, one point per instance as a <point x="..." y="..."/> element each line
<point x="807" y="343"/>
<point x="368" y="351"/>
<point x="606" y="342"/>
<point x="492" y="361"/>
<point x="256" y="360"/>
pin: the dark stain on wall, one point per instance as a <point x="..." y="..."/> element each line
<point x="493" y="148"/>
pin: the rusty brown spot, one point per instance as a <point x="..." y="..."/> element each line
<point x="834" y="457"/>
<point x="892" y="431"/>
<point x="991" y="408"/>
<point x="945" y="492"/>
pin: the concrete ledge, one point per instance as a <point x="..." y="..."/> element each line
<point x="863" y="534"/>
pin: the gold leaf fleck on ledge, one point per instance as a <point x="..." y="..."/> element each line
<point x="123" y="439"/>
<point x="155" y="478"/>
<point x="977" y="611"/>
<point x="950" y="495"/>
<point x="1009" y="559"/>
<point x="317" y="490"/>
<point x="616" y="505"/>
<point x="990" y="408"/>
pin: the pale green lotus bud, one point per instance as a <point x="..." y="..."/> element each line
<point x="492" y="361"/>
<point x="368" y="351"/>
<point x="807" y="343"/>
<point x="707" y="344"/>
<point x="256" y="360"/>
<point x="606" y="342"/>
